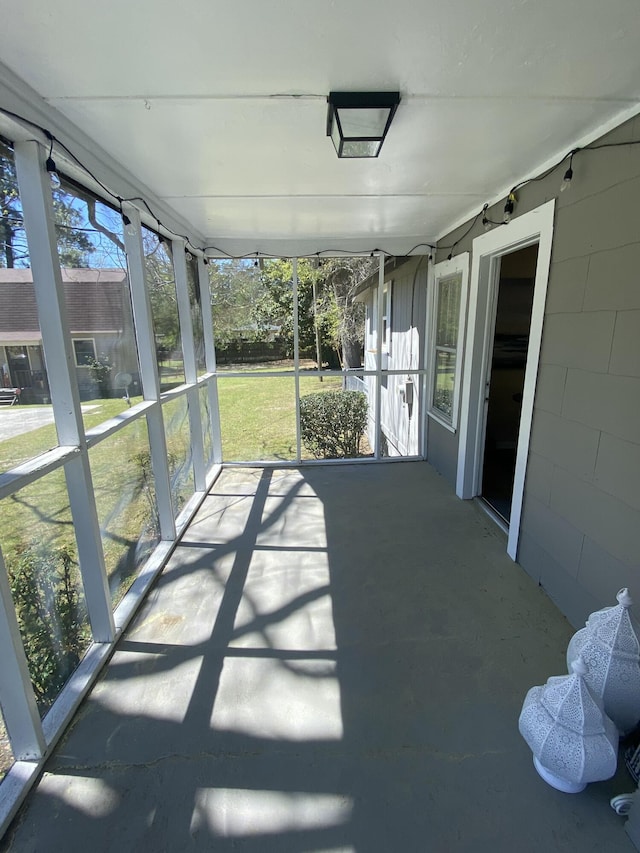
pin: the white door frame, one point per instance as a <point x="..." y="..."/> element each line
<point x="533" y="227"/>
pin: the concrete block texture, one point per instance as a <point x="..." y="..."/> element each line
<point x="606" y="220"/>
<point x="569" y="444"/>
<point x="563" y="589"/>
<point x="610" y="522"/>
<point x="603" y="575"/>
<point x="550" y="387"/>
<point x="539" y="477"/>
<point x="617" y="470"/>
<point x="567" y="283"/>
<point x="596" y="171"/>
<point x="578" y="340"/>
<point x="605" y="402"/>
<point x="625" y="352"/>
<point x="613" y="279"/>
<point x="553" y="533"/>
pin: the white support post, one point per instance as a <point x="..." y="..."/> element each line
<point x="178" y="247"/>
<point x="426" y="365"/>
<point x="148" y="370"/>
<point x="19" y="708"/>
<point x="296" y="357"/>
<point x="190" y="364"/>
<point x="210" y="356"/>
<point x="379" y="342"/>
<point x="37" y="208"/>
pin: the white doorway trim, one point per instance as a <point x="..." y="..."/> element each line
<point x="533" y="227"/>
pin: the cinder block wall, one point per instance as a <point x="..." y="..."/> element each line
<point x="580" y="533"/>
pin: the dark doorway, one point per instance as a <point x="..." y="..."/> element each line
<point x="513" y="301"/>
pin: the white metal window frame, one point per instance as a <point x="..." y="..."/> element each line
<point x="457" y="266"/>
<point x="32" y="738"/>
<point x="533" y="227"/>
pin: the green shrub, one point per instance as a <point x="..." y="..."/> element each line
<point x="51" y="616"/>
<point x="333" y="423"/>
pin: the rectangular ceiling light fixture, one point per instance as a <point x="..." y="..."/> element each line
<point x="358" y="122"/>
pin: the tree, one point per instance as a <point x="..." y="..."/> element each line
<point x="162" y="293"/>
<point x="275" y="304"/>
<point x="13" y="243"/>
<point x="74" y="246"/>
<point x="342" y="276"/>
<point x="326" y="291"/>
<point x="236" y="286"/>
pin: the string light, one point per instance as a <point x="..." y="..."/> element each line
<point x="568" y="176"/>
<point x="51" y="168"/>
<point x="50" y="165"/>
<point x="509" y="207"/>
<point x="129" y="227"/>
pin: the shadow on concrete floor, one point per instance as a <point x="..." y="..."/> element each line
<point x="333" y="660"/>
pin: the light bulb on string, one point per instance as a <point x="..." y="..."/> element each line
<point x="129" y="227"/>
<point x="53" y="174"/>
<point x="568" y="177"/>
<point x="486" y="222"/>
<point x="509" y="207"/>
<point x="188" y="256"/>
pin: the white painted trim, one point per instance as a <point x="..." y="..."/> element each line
<point x="457" y="265"/>
<point x="536" y="226"/>
<point x="145" y="338"/>
<point x="35" y="468"/>
<point x="379" y="348"/>
<point x="179" y="263"/>
<point x="37" y="206"/>
<point x="210" y="358"/>
<point x="296" y="357"/>
<point x="424" y="372"/>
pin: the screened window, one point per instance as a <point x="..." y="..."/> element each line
<point x="445" y="380"/>
<point x="85" y="350"/>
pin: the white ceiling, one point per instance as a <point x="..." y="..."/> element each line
<point x="220" y="107"/>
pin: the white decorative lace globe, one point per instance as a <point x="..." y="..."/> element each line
<point x="611" y="651"/>
<point x="572" y="740"/>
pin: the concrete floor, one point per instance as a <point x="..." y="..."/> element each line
<point x="334" y="660"/>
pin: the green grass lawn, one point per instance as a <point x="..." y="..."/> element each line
<point x="258" y="415"/>
<point x="258" y="422"/>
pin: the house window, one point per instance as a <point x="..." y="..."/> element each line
<point x="448" y="307"/>
<point x="85" y="351"/>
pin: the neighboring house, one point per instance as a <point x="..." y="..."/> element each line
<point x="532" y="361"/>
<point x="100" y="322"/>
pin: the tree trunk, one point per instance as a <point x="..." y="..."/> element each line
<point x="350" y="353"/>
<point x="6" y="232"/>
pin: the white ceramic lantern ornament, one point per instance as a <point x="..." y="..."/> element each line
<point x="611" y="651"/>
<point x="572" y="740"/>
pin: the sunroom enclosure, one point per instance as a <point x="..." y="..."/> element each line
<point x="129" y="434"/>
